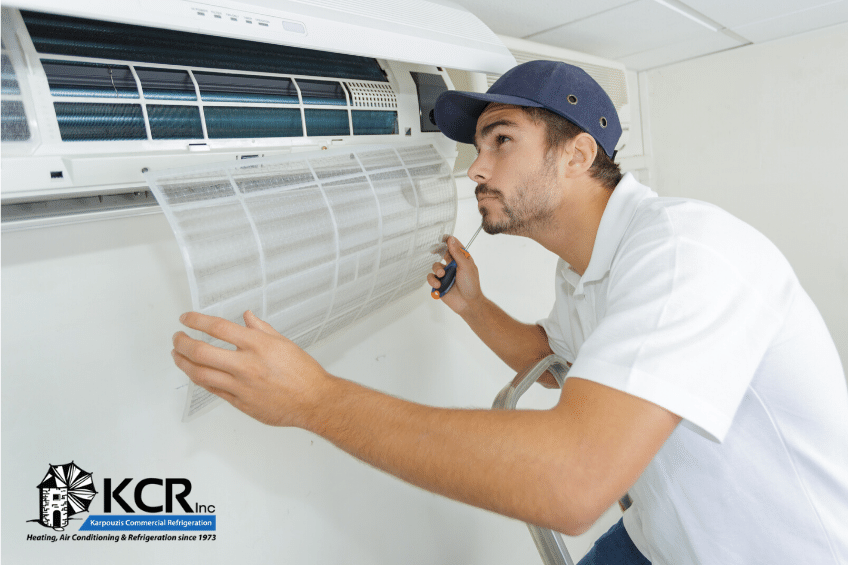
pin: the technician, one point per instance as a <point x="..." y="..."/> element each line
<point x="703" y="379"/>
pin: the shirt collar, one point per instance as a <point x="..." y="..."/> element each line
<point x="617" y="216"/>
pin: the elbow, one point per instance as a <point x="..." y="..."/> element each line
<point x="573" y="522"/>
<point x="572" y="509"/>
<point x="577" y="527"/>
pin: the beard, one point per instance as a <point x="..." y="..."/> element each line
<point x="527" y="210"/>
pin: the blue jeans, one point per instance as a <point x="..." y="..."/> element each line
<point x="614" y="548"/>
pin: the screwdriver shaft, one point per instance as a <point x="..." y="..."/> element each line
<point x="470" y="241"/>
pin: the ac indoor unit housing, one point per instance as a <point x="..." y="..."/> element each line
<point x="96" y="93"/>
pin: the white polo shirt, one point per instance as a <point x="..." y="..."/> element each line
<point x="692" y="309"/>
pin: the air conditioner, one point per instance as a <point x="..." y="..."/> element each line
<point x="96" y="93"/>
<point x="289" y="144"/>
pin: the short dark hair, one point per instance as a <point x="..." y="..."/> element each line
<point x="560" y="131"/>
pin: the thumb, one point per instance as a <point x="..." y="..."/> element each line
<point x="252" y="321"/>
<point x="460" y="255"/>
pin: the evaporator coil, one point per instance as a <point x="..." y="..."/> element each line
<point x="310" y="242"/>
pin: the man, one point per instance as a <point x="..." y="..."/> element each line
<point x="703" y="380"/>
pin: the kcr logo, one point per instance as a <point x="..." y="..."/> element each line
<point x="175" y="489"/>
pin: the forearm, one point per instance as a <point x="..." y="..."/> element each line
<point x="503" y="461"/>
<point x="558" y="468"/>
<point x="516" y="343"/>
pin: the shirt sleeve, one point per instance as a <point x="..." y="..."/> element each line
<point x="684" y="329"/>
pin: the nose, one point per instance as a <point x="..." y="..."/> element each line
<point x="479" y="171"/>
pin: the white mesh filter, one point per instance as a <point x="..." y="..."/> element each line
<point x="371" y="94"/>
<point x="310" y="242"/>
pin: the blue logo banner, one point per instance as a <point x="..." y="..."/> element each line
<point x="109" y="523"/>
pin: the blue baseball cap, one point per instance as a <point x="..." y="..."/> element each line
<point x="563" y="89"/>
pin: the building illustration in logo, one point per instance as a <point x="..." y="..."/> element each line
<point x="64" y="491"/>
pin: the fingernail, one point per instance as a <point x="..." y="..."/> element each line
<point x="183" y="317"/>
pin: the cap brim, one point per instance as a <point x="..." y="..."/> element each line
<point x="456" y="112"/>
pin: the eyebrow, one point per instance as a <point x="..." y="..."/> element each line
<point x="487" y="129"/>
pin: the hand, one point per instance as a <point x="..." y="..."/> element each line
<point x="466" y="288"/>
<point x="268" y="377"/>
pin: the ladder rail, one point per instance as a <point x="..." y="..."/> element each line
<point x="549" y="543"/>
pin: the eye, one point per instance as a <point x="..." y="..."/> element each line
<point x="501" y="139"/>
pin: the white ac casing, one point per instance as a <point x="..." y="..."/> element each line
<point x="402" y="35"/>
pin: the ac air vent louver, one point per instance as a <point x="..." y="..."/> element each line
<point x="195" y="104"/>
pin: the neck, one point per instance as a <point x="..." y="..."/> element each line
<point x="572" y="229"/>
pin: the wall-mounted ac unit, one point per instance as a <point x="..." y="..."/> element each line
<point x="95" y="93"/>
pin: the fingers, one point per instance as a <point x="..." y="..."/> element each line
<point x="231" y="398"/>
<point x="224" y="330"/>
<point x="457" y="251"/>
<point x="205" y="355"/>
<point x="268" y="377"/>
<point x="252" y="321"/>
<point x="433" y="278"/>
<point x="448" y="257"/>
<point x="466" y="269"/>
<point x="215" y="381"/>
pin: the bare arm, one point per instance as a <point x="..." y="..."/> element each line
<point x="516" y="343"/>
<point x="559" y="468"/>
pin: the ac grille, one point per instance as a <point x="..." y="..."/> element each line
<point x="14" y="120"/>
<point x="65" y="35"/>
<point x="90" y="100"/>
<point x="114" y="85"/>
<point x="371" y="95"/>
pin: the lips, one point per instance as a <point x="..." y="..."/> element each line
<point x="486" y="196"/>
<point x="483" y="192"/>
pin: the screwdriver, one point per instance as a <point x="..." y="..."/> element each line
<point x="450" y="271"/>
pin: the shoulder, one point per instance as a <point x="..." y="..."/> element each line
<point x="684" y="239"/>
<point x="687" y="218"/>
<point x="681" y="231"/>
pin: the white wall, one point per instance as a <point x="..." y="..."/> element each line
<point x="88" y="311"/>
<point x="762" y="131"/>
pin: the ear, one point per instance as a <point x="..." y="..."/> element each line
<point x="584" y="149"/>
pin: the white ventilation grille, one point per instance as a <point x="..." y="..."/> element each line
<point x="15" y="125"/>
<point x="371" y="95"/>
<point x="312" y="243"/>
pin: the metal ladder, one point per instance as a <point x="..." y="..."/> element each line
<point x="549" y="543"/>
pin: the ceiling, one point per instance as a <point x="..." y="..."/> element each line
<point x="644" y="34"/>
